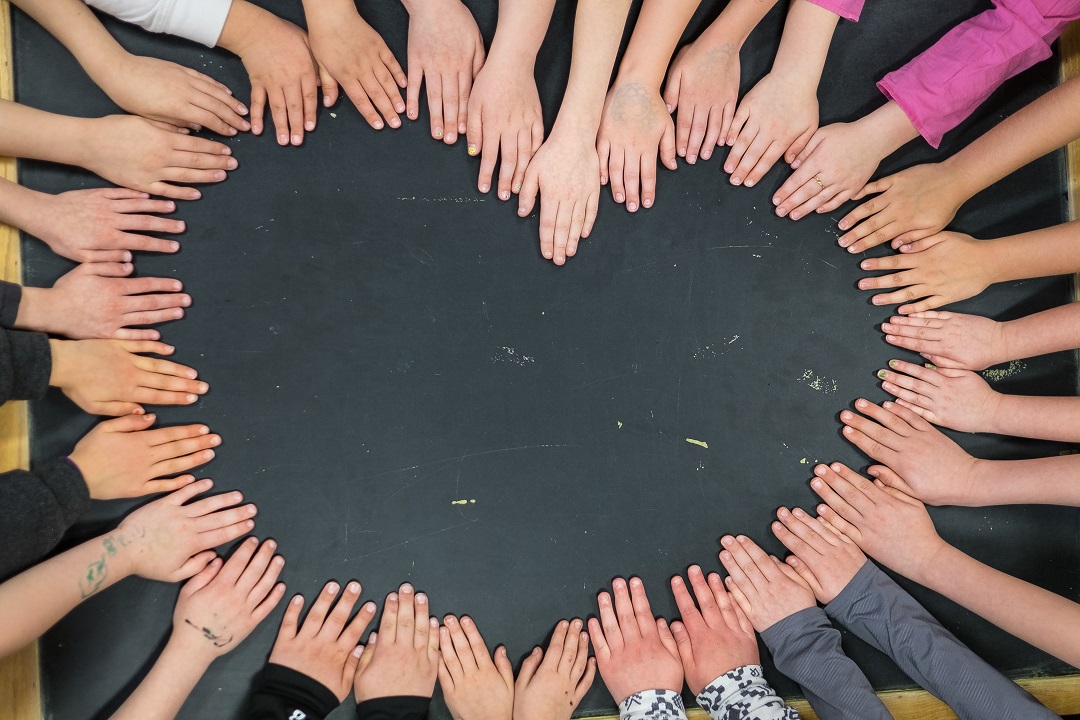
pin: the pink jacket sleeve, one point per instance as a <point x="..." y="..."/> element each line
<point x="942" y="86"/>
<point x="847" y="9"/>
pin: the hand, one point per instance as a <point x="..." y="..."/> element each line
<point x="221" y="605"/>
<point x="914" y="203"/>
<point x="951" y="340"/>
<point x="504" y="114"/>
<point x="96" y="300"/>
<point x="776" y="118"/>
<point x="715" y="640"/>
<point x="936" y="469"/>
<point x="887" y="524"/>
<point x="283" y="71"/>
<point x="941" y="269"/>
<point x="475" y="688"/>
<point x="325" y="647"/>
<point x="152" y="156"/>
<point x="703" y="85"/>
<point x="353" y="56"/>
<point x="634" y="651"/>
<point x="833" y="167"/>
<point x="446" y="52"/>
<point x="824" y="557"/>
<point x="102" y="225"/>
<point x="403" y="657"/>
<point x="566" y="173"/>
<point x="106" y="377"/>
<point x="170" y="541"/>
<point x="123" y="458"/>
<point x="173" y="94"/>
<point x="956" y="399"/>
<point x="635" y="127"/>
<point x="550" y="685"/>
<point x="766" y="589"/>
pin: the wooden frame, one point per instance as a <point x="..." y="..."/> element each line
<point x="20" y="684"/>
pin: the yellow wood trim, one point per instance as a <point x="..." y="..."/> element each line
<point x="20" y="684"/>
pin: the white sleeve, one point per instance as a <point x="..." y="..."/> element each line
<point x="652" y="705"/>
<point x="197" y="20"/>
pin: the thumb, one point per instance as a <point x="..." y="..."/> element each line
<point x="671" y="91"/>
<point x="667" y="146"/>
<point x="128" y="423"/>
<point x="329" y="87"/>
<point x="683" y="644"/>
<point x="502" y="664"/>
<point x="529" y="189"/>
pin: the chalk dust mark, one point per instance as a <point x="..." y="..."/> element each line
<point x="415" y="539"/>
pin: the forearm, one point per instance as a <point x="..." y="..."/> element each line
<point x="38" y="135"/>
<point x="804" y="45"/>
<point x="1037" y="616"/>
<point x="1040" y="417"/>
<point x="521" y="30"/>
<point x="1041" y="253"/>
<point x="1046" y="124"/>
<point x="736" y="22"/>
<point x="1045" y="332"/>
<point x="657" y="32"/>
<point x="598" y="29"/>
<point x="878" y="611"/>
<point x="242" y="25"/>
<point x="168" y="684"/>
<point x="77" y="29"/>
<point x="39" y="597"/>
<point x="326" y="11"/>
<point x="1041" y="481"/>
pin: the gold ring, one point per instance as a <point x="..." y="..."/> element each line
<point x="817" y="179"/>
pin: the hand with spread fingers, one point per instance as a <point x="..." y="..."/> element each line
<point x="950" y="340"/>
<point x="551" y="684"/>
<point x="125" y="458"/>
<point x="324" y="647"/>
<point x="476" y="686"/>
<point x="402" y="658"/>
<point x="957" y="399"/>
<point x="765" y="589"/>
<point x="823" y="557"/>
<point x="635" y="651"/>
<point x="702" y="88"/>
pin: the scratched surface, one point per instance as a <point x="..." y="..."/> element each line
<point x="408" y="392"/>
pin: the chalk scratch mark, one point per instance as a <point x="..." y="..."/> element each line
<point x="415" y="539"/>
<point x="443" y="461"/>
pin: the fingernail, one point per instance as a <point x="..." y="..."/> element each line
<point x="400" y="107"/>
<point x="517" y="188"/>
<point x="881" y="374"/>
<point x="191" y="398"/>
<point x="796" y="215"/>
<point x="619" y="197"/>
<point x="749" y="183"/>
<point x="484" y="188"/>
<point x="438" y="132"/>
<point x="395" y="123"/>
<point x="354" y="587"/>
<point x="736" y="180"/>
<point x="631" y="206"/>
<point x="309" y="126"/>
<point x="421" y="598"/>
<point x="472" y="149"/>
<point x="505" y="195"/>
<point x="378" y="125"/>
<point x="331" y="588"/>
<point x="816" y="484"/>
<point x="283" y="139"/>
<point x="647" y="202"/>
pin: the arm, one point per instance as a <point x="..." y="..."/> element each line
<point x="566" y="169"/>
<point x="25" y="365"/>
<point x="1044" y="418"/>
<point x="744" y="688"/>
<point x="878" y="611"/>
<point x="806" y="647"/>
<point x="780" y="114"/>
<point x="1044" y="481"/>
<point x="504" y="108"/>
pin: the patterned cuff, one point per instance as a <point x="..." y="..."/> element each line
<point x="743" y="693"/>
<point x="653" y="705"/>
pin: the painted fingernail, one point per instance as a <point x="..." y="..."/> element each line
<point x="517" y="188"/>
<point x="505" y="195"/>
<point x="438" y="132"/>
<point x="932" y="366"/>
<point x="881" y="374"/>
<point x="472" y="150"/>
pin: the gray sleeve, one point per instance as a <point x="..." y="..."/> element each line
<point x="806" y="647"/>
<point x="879" y="611"/>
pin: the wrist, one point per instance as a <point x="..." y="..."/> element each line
<point x="187" y="645"/>
<point x="979" y="482"/>
<point x="518" y="57"/>
<point x="889" y="127"/>
<point x="938" y="565"/>
<point x="60" y="377"/>
<point x="37" y="310"/>
<point x="635" y="72"/>
<point x="997" y="413"/>
<point x="242" y="27"/>
<point x="994" y="263"/>
<point x="25" y="208"/>
<point x="420" y="6"/>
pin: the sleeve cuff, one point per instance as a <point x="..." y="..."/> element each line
<point x="847" y="9"/>
<point x="200" y="20"/>
<point x="31" y="365"/>
<point x="294" y="694"/>
<point x="404" y="707"/>
<point x="652" y="705"/>
<point x="67" y="485"/>
<point x="10" y="297"/>
<point x="854" y="591"/>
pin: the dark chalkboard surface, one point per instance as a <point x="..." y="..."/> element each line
<point x="408" y="391"/>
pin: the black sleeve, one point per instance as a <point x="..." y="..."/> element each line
<point x="25" y="365"/>
<point x="36" y="509"/>
<point x="402" y="707"/>
<point x="10" y="297"/>
<point x="281" y="693"/>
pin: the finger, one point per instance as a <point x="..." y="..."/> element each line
<point x="611" y="637"/>
<point x="256" y="571"/>
<point x="667" y="147"/>
<point x="335" y="621"/>
<point x="316" y="616"/>
<point x="475" y="640"/>
<point x="353" y="631"/>
<point x="420" y="618"/>
<point x="624" y="609"/>
<point x="698" y="129"/>
<point x="258" y="107"/>
<point x="294" y="110"/>
<point x="406" y="615"/>
<point x="615" y="175"/>
<point x="642" y="611"/>
<point x="225" y="518"/>
<point x="553" y="658"/>
<point x="648" y="180"/>
<point x="193" y="488"/>
<point x="239" y="560"/>
<point x="562" y="229"/>
<point x="705" y="600"/>
<point x="508" y="166"/>
<point x="450" y="94"/>
<point x="528" y="668"/>
<point x="461" y="645"/>
<point x="309" y="90"/>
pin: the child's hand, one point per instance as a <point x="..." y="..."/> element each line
<point x="152" y="156"/>
<point x="105" y="377"/>
<point x="325" y="647"/>
<point x="634" y="650"/>
<point x="102" y="225"/>
<point x="887" y="524"/>
<point x="914" y="203"/>
<point x="123" y="458"/>
<point x="824" y="557"/>
<point x="446" y="52"/>
<point x="935" y="271"/>
<point x="833" y="167"/>
<point x="403" y="657"/>
<point x="96" y="300"/>
<point x="504" y="115"/>
<point x="635" y="127"/>
<point x="566" y="173"/>
<point x="170" y="541"/>
<point x="715" y="640"/>
<point x="934" y="468"/>
<point x="776" y="118"/>
<point x="550" y="685"/>
<point x="473" y="685"/>
<point x="957" y="399"/>
<point x="162" y="90"/>
<point x="953" y="340"/>
<point x="766" y="589"/>
<point x="703" y="85"/>
<point x="282" y="69"/>
<point x="221" y="605"/>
